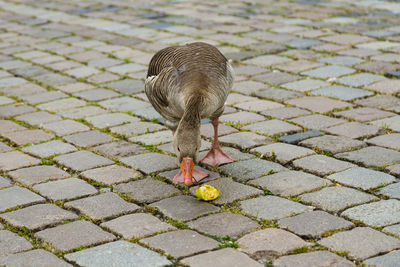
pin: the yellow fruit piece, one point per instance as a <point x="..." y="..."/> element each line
<point x="207" y="192"/>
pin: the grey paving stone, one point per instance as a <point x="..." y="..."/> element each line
<point x="378" y="214"/>
<point x="127" y="86"/>
<point x="318" y="103"/>
<point x="333" y="144"/>
<point x="38" y="216"/>
<point x="156" y="138"/>
<point x="379" y="101"/>
<point x="65" y="127"/>
<point x="294" y="138"/>
<point x="82" y="112"/>
<point x="290" y="183"/>
<point x="303" y="43"/>
<point x="37" y="257"/>
<point x="242" y="117"/>
<point x="150" y="162"/>
<point x="305" y="85"/>
<point x="277" y="94"/>
<point x="12" y="243"/>
<point x="316" y="258"/>
<point x="62" y="104"/>
<point x="147" y="190"/>
<point x="124" y="104"/>
<point x="73" y="235"/>
<point x="313" y="224"/>
<point x="96" y="94"/>
<point x="49" y="149"/>
<point x="341" y="60"/>
<point x="222" y="258"/>
<point x="388" y="140"/>
<point x="271" y="207"/>
<point x="353" y="130"/>
<point x="184" y="207"/>
<point x="362" y="178"/>
<point x="110" y="175"/>
<point x="389" y="260"/>
<point x="276" y="77"/>
<point x="257" y="105"/>
<point x="54" y="79"/>
<point x="393" y="229"/>
<point x="110" y="119"/>
<point x="94" y="206"/>
<point x="136" y="128"/>
<point x="283" y="152"/>
<point x="28" y="137"/>
<point x="4" y="147"/>
<point x="69" y="188"/>
<point x="43" y="97"/>
<point x="89" y="138"/>
<point x="360" y="79"/>
<point x="269" y="242"/>
<point x="17" y="196"/>
<point x="337" y="198"/>
<point x="37" y="174"/>
<point x="272" y="127"/>
<point x="244" y="140"/>
<point x="321" y="164"/>
<point x="364" y="114"/>
<point x="118" y="253"/>
<point x="119" y="149"/>
<point x="392" y="123"/>
<point x="342" y="92"/>
<point x="11" y="81"/>
<point x="4" y="182"/>
<point x="328" y="71"/>
<point x="361" y="242"/>
<point x="9" y="126"/>
<point x="285" y="113"/>
<point x="5" y="100"/>
<point x="224" y="224"/>
<point x="250" y="169"/>
<point x="137" y="225"/>
<point x="82" y="160"/>
<point x="391" y="190"/>
<point x="371" y="156"/>
<point x="230" y="190"/>
<point x="38" y="118"/>
<point x="316" y="121"/>
<point x="30" y="71"/>
<point x="267" y="60"/>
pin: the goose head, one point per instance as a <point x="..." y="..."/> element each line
<point x="187" y="142"/>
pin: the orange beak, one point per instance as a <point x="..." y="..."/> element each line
<point x="187" y="166"/>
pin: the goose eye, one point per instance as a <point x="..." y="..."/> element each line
<point x="179" y="149"/>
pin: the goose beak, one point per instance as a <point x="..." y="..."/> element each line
<point x="187" y="166"/>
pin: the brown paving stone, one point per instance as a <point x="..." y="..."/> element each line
<point x="318" y="103"/>
<point x="73" y="235"/>
<point x="181" y="243"/>
<point x="378" y="66"/>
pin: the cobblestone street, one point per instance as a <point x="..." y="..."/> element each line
<point x="312" y="122"/>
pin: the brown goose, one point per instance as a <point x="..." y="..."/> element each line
<point x="185" y="84"/>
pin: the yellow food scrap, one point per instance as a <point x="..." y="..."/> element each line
<point x="207" y="192"/>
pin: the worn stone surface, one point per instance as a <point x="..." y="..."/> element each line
<point x="90" y="138"/>
<point x="28" y="137"/>
<point x="313" y="224"/>
<point x="119" y="149"/>
<point x="12" y="243"/>
<point x="388" y="140"/>
<point x="337" y="198"/>
<point x="17" y="196"/>
<point x="230" y="190"/>
<point x="389" y="259"/>
<point x="37" y="257"/>
<point x="73" y="235"/>
<point x="283" y="152"/>
<point x="224" y="257"/>
<point x="181" y="243"/>
<point x="37" y="174"/>
<point x="321" y="164"/>
<point x="316" y="258"/>
<point x="333" y="144"/>
<point x="65" y="189"/>
<point x="118" y="253"/>
<point x="137" y="225"/>
<point x="270" y="242"/>
<point x="110" y="175"/>
<point x="378" y="214"/>
<point x="48" y="149"/>
<point x="223" y="224"/>
<point x="147" y="190"/>
<point x="250" y="169"/>
<point x="271" y="207"/>
<point x="289" y="183"/>
<point x="371" y="156"/>
<point x="244" y="140"/>
<point x="150" y="162"/>
<point x="82" y="160"/>
<point x="94" y="206"/>
<point x="38" y="216"/>
<point x="184" y="207"/>
<point x="361" y="242"/>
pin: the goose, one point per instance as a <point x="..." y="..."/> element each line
<point x="186" y="84"/>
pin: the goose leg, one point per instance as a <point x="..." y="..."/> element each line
<point x="216" y="156"/>
<point x="197" y="177"/>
